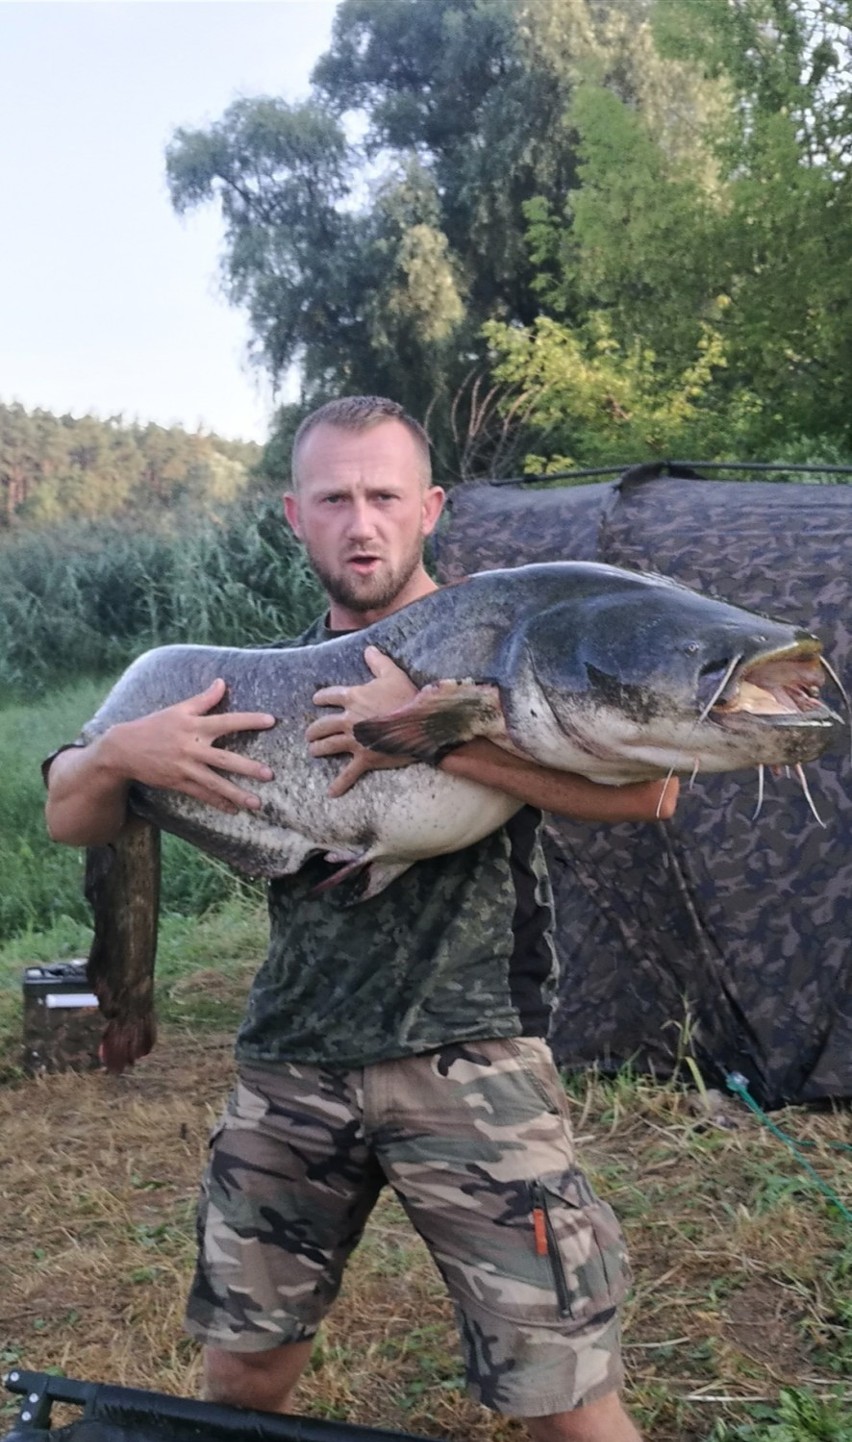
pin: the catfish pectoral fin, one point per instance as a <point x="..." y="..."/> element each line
<point x="440" y="717"/>
<point x="373" y="877"/>
<point x="380" y="874"/>
<point x="352" y="868"/>
<point x="123" y="888"/>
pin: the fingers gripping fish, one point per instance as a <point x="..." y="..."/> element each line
<point x="615" y="675"/>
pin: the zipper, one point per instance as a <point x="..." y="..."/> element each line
<point x="546" y="1245"/>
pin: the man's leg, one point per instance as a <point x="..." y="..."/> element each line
<point x="477" y="1143"/>
<point x="602" y="1421"/>
<point x="289" y="1186"/>
<point x="264" y="1380"/>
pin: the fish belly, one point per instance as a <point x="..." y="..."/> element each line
<point x="403" y="815"/>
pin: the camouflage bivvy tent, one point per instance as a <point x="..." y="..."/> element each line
<point x="714" y="932"/>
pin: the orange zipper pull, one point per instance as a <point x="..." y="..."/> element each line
<point x="539" y="1232"/>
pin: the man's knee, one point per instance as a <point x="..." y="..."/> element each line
<point x="601" y="1421"/>
<point x="261" y="1380"/>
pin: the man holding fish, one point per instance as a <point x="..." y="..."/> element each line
<point x="401" y="1040"/>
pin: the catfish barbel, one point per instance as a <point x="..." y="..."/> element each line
<point x="616" y="675"/>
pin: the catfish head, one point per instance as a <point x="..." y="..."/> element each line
<point x="647" y="677"/>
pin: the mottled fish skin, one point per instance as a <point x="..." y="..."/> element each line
<point x="584" y="667"/>
<point x="122" y="887"/>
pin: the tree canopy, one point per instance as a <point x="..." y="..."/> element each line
<point x="371" y="229"/>
<point x="59" y="468"/>
<point x="557" y="227"/>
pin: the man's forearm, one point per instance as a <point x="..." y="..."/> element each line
<point x="87" y="795"/>
<point x="562" y="792"/>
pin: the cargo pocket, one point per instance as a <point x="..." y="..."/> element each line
<point x="539" y="1070"/>
<point x="580" y="1236"/>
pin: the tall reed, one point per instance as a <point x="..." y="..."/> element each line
<point x="85" y="599"/>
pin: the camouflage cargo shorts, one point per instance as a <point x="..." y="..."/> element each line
<point x="476" y="1142"/>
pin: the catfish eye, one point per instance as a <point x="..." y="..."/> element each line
<point x="692" y="648"/>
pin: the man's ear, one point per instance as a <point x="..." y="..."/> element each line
<point x="433" y="504"/>
<point x="291" y="511"/>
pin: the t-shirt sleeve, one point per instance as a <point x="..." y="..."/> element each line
<point x="49" y="760"/>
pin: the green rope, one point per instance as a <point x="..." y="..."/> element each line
<point x="737" y="1083"/>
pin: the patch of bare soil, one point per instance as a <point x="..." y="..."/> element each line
<point x="763" y="1321"/>
<point x="740" y="1268"/>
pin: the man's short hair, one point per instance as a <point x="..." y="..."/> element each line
<point x="361" y="413"/>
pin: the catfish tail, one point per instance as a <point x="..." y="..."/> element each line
<point x="122" y="887"/>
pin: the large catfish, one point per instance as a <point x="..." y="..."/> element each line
<point x="616" y="675"/>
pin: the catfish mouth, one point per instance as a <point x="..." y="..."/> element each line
<point x="779" y="688"/>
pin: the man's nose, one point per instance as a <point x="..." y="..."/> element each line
<point x="361" y="525"/>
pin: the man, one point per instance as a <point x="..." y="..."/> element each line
<point x="398" y="1040"/>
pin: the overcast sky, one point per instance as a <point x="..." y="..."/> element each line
<point x="109" y="302"/>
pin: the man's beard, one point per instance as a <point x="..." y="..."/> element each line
<point x="375" y="592"/>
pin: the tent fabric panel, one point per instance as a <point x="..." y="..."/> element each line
<point x="488" y="527"/>
<point x="736" y="923"/>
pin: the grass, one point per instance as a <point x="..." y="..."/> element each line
<point x="207" y="911"/>
<point x="42" y="881"/>
<point x="204" y="968"/>
<point x="739" y="1327"/>
<point x="799" y="1416"/>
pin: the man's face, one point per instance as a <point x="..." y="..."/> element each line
<point x="362" y="510"/>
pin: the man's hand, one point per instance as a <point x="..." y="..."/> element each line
<point x="87" y="786"/>
<point x="333" y="735"/>
<point x="174" y="749"/>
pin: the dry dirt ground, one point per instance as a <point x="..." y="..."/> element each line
<point x="742" y="1264"/>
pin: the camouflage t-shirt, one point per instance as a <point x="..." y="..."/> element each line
<point x="457" y="948"/>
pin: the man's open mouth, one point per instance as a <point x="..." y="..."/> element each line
<point x="364" y="563"/>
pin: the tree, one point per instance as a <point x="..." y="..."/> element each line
<point x="372" y="265"/>
<point x="717" y="271"/>
<point x="785" y="154"/>
<point x="280" y="175"/>
<point x="456" y="83"/>
<point x="667" y="179"/>
<point x="17" y="460"/>
<point x="53" y="470"/>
